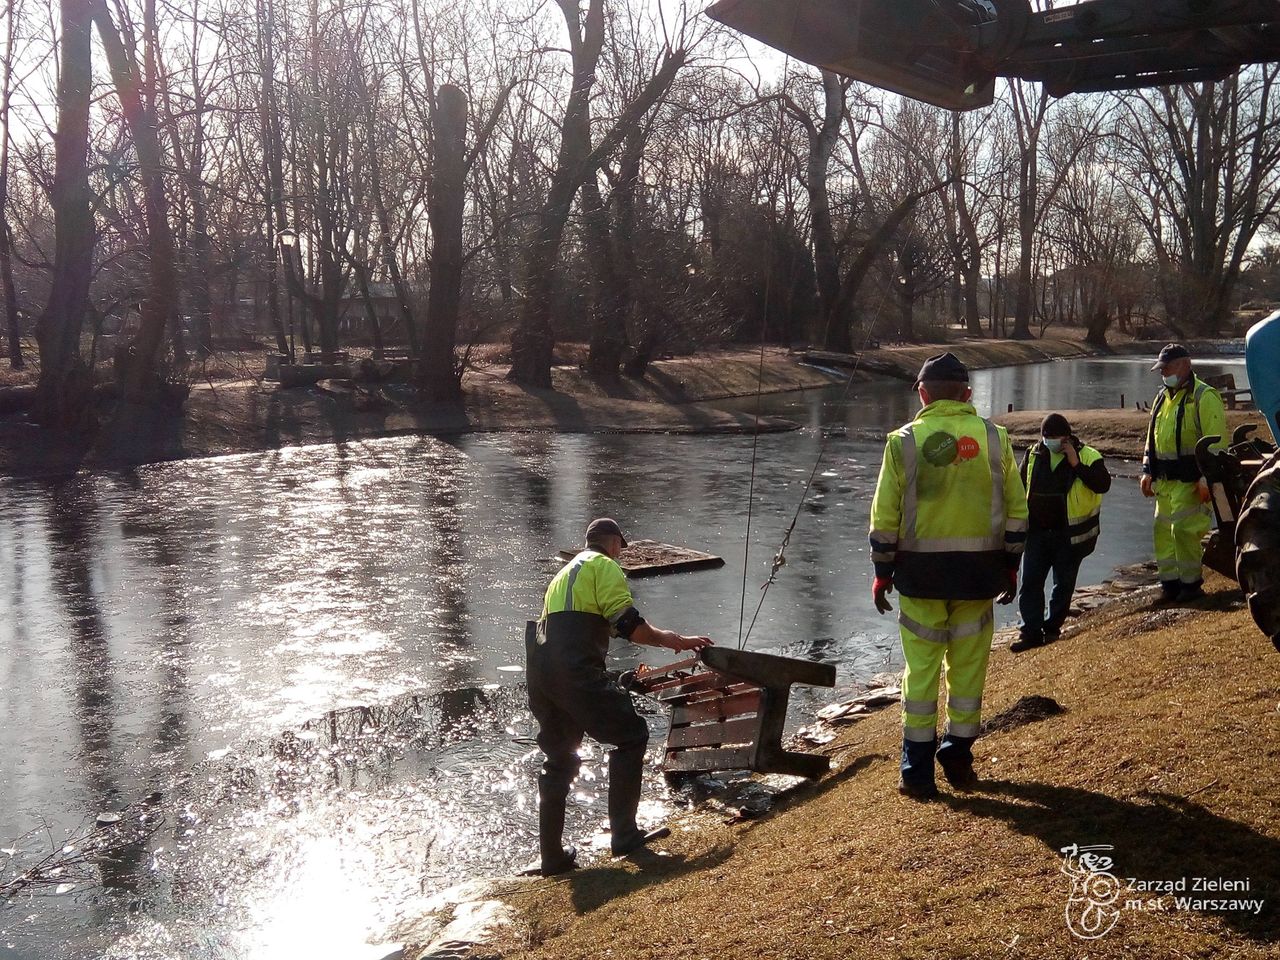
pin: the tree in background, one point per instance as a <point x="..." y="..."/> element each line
<point x="1203" y="164"/>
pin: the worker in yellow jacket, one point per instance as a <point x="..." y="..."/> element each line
<point x="948" y="523"/>
<point x="1065" y="482"/>
<point x="1185" y="410"/>
<point x="570" y="692"/>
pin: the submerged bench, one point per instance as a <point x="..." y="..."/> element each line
<point x="729" y="708"/>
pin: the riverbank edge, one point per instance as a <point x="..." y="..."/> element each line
<point x="1113" y="433"/>
<point x="245" y="416"/>
<point x="675" y="396"/>
<point x="1144" y="747"/>
<point x="904" y="362"/>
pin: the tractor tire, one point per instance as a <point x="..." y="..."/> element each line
<point x="1258" y="549"/>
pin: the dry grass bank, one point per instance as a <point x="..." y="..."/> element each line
<point x="1114" y="433"/>
<point x="979" y="354"/>
<point x="236" y="416"/>
<point x="1169" y="749"/>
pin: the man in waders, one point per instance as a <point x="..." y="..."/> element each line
<point x="948" y="523"/>
<point x="1185" y="410"/>
<point x="571" y="694"/>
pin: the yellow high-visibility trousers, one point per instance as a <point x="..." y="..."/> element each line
<point x="1180" y="524"/>
<point x="957" y="633"/>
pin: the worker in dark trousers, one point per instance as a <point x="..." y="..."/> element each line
<point x="1065" y="481"/>
<point x="571" y="694"/>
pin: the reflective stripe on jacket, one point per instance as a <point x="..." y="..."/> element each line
<point x="1178" y="420"/>
<point x="949" y="517"/>
<point x="591" y="582"/>
<point x="1084" y="505"/>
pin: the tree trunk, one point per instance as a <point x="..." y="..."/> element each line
<point x="1096" y="327"/>
<point x="272" y="176"/>
<point x="63" y="393"/>
<point x="826" y="256"/>
<point x="533" y="341"/>
<point x="137" y="362"/>
<point x="6" y="237"/>
<point x="370" y="311"/>
<point x="876" y="243"/>
<point x="440" y="376"/>
<point x="608" y="318"/>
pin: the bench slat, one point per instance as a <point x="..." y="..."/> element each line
<point x="716" y="693"/>
<point x="733" y="758"/>
<point x="739" y="730"/>
<point x="708" y="680"/>
<point x="720" y="708"/>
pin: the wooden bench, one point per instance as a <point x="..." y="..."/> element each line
<point x="729" y="709"/>
<point x="1225" y="384"/>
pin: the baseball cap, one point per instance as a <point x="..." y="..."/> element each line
<point x="1170" y="352"/>
<point x="602" y="526"/>
<point x="946" y="367"/>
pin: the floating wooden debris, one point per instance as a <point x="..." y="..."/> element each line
<point x="647" y="558"/>
<point x="822" y="730"/>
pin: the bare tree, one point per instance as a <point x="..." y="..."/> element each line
<point x="137" y="361"/>
<point x="64" y="390"/>
<point x="1203" y="165"/>
<point x="578" y="159"/>
<point x="12" y="323"/>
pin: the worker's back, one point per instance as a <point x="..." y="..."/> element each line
<point x="951" y="484"/>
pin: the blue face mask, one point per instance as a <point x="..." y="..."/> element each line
<point x="1172" y="380"/>
<point x="1053" y="445"/>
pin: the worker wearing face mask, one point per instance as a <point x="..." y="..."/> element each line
<point x="1185" y="410"/>
<point x="1065" y="481"/>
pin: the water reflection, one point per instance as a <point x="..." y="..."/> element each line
<point x="303" y="651"/>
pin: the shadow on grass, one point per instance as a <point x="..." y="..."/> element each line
<point x="596" y="886"/>
<point x="1158" y="837"/>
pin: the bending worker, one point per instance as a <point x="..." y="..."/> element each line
<point x="1185" y="410"/>
<point x="948" y="523"/>
<point x="1065" y="481"/>
<point x="570" y="694"/>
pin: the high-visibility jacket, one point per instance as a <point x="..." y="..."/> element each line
<point x="1084" y="504"/>
<point x="1179" y="418"/>
<point x="592" y="582"/>
<point x="949" y="517"/>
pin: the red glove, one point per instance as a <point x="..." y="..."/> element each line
<point x="879" y="590"/>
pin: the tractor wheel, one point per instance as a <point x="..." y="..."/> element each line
<point x="1258" y="549"/>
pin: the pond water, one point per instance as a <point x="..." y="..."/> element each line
<point x="304" y="665"/>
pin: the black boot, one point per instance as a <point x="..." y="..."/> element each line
<point x="955" y="756"/>
<point x="626" y="776"/>
<point x="553" y="793"/>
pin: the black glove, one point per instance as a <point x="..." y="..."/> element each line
<point x="1008" y="595"/>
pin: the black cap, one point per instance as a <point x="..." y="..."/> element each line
<point x="943" y="367"/>
<point x="1170" y="353"/>
<point x="1055" y="425"/>
<point x="603" y="526"/>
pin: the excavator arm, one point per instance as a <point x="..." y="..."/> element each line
<point x="949" y="52"/>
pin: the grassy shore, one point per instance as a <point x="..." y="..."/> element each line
<point x="1168" y="749"/>
<point x="224" y="416"/>
<point x="1113" y="433"/>
<point x="904" y="361"/>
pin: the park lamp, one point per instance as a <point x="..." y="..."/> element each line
<point x="288" y="238"/>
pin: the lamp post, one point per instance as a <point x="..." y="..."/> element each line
<point x="288" y="240"/>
